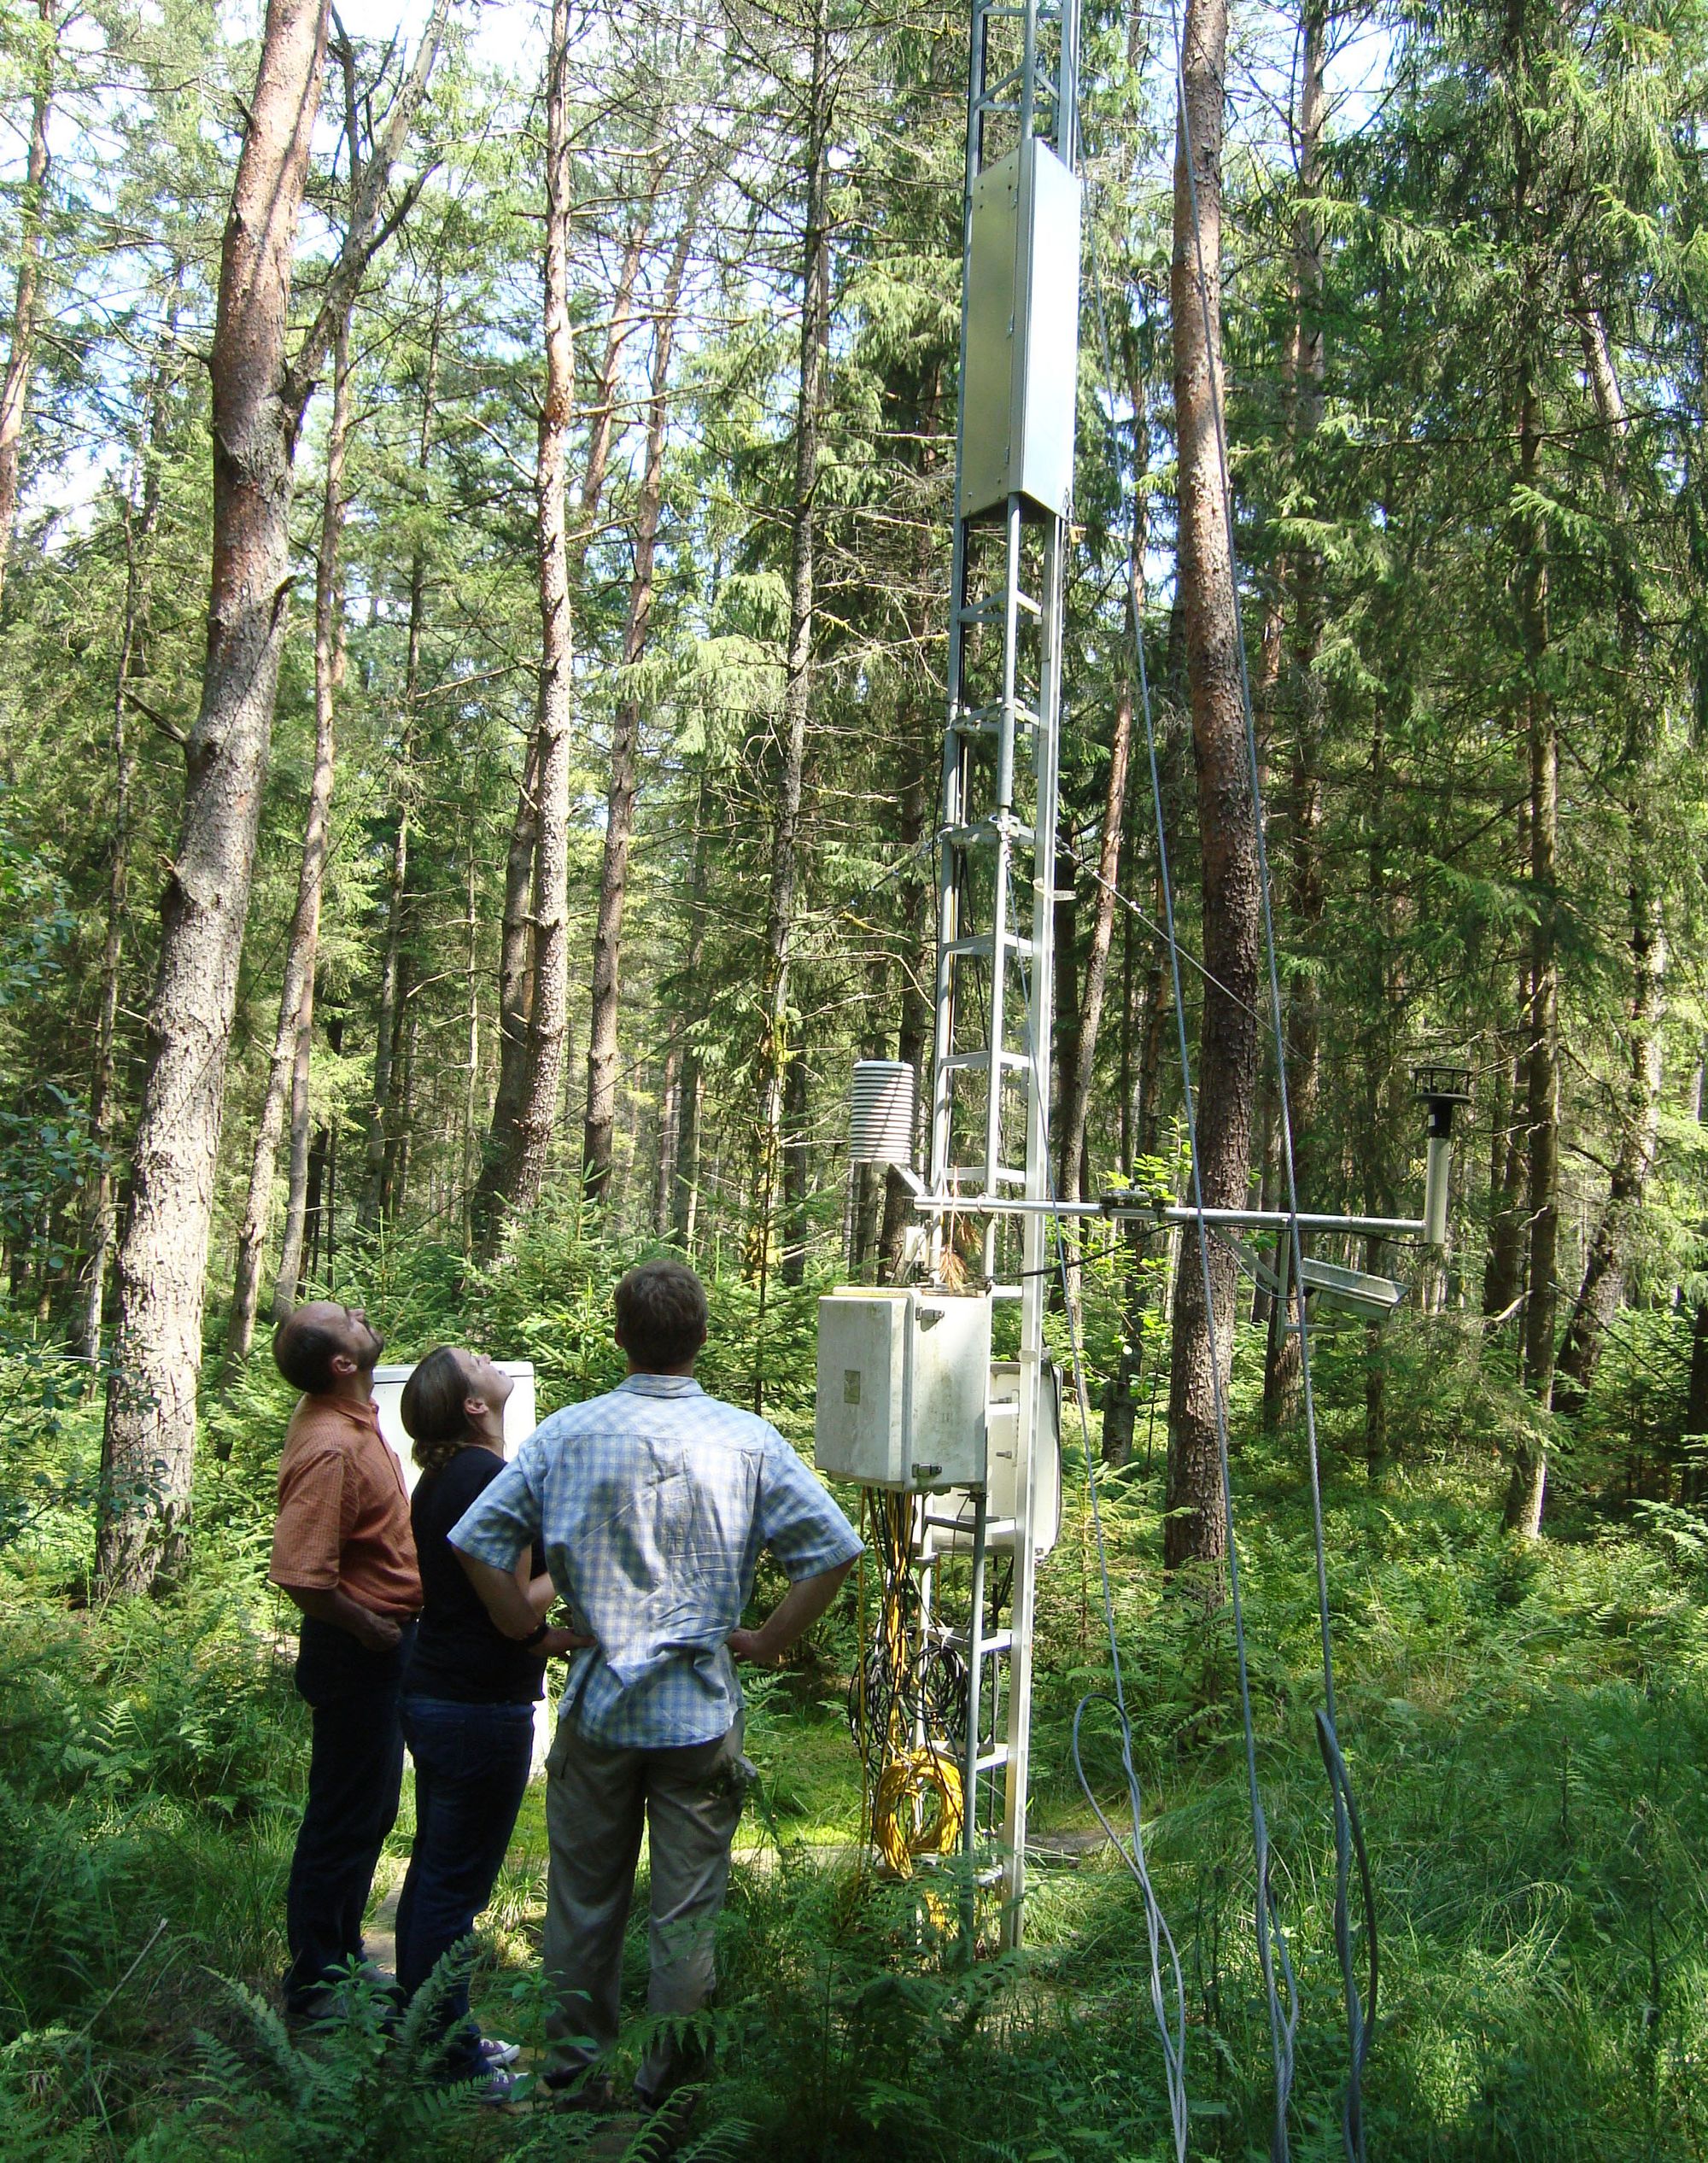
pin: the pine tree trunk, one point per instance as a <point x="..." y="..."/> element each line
<point x="150" y="1428"/>
<point x="1077" y="1107"/>
<point x="303" y="1192"/>
<point x="258" y="402"/>
<point x="1228" y="1052"/>
<point x="517" y="946"/>
<point x="139" y="531"/>
<point x="625" y="743"/>
<point x="685" y="1196"/>
<point x="1300" y="581"/>
<point x="296" y="994"/>
<point x="815" y="336"/>
<point x="1604" y="1271"/>
<point x="549" y="1020"/>
<point x="1502" y="1271"/>
<point x="1529" y="1482"/>
<point x="21" y="359"/>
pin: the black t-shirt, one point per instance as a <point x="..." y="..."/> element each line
<point x="460" y="1653"/>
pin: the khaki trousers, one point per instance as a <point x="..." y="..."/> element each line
<point x="596" y="1803"/>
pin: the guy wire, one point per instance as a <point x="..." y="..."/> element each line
<point x="1271" y="1943"/>
<point x="1171" y="2029"/>
<point x="1348" y="1834"/>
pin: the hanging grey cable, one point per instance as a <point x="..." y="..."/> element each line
<point x="1350" y="1845"/>
<point x="1273" y="1951"/>
<point x="1171" y="2029"/>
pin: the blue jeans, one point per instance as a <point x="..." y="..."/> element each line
<point x="471" y="1768"/>
<point x="355" y="1772"/>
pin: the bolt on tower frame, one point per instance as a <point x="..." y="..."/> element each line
<point x="991" y="1064"/>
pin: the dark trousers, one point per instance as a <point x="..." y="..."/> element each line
<point x="355" y="1775"/>
<point x="472" y="1765"/>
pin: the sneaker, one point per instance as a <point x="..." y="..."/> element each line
<point x="497" y="2055"/>
<point x="499" y="2088"/>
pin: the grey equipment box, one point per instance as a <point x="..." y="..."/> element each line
<point x="902" y="1378"/>
<point x="1002" y="1497"/>
<point x="1022" y="334"/>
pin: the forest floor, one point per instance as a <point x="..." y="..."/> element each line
<point x="1526" y="1729"/>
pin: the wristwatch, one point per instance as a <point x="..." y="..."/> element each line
<point x="534" y="1635"/>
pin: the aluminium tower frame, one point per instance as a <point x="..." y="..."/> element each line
<point x="1005" y="687"/>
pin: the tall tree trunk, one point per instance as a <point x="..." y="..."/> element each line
<point x="625" y="743"/>
<point x="548" y="1020"/>
<point x="258" y="402"/>
<point x="815" y="340"/>
<point x="139" y="531"/>
<point x="296" y="993"/>
<point x="1302" y="573"/>
<point x="1196" y="1530"/>
<point x="150" y="1428"/>
<point x="1604" y="1270"/>
<point x="302" y="1191"/>
<point x="1525" y="1493"/>
<point x="517" y="945"/>
<point x="796" y="1170"/>
<point x="685" y="1197"/>
<point x="1076" y="1109"/>
<point x="21" y="359"/>
<point x="1503" y="1265"/>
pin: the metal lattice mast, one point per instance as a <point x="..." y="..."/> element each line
<point x="991" y="1062"/>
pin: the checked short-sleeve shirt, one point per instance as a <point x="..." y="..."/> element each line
<point x="652" y="1504"/>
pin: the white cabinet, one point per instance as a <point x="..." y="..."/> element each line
<point x="902" y="1378"/>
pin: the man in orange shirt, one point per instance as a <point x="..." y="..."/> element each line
<point x="344" y="1552"/>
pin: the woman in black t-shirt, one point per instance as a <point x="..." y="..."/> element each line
<point x="469" y="1695"/>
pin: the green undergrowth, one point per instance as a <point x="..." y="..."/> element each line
<point x="1525" y="1728"/>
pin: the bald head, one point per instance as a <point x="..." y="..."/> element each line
<point x="325" y="1349"/>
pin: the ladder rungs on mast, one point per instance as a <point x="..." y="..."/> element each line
<point x="1006" y="1175"/>
<point x="981" y="834"/>
<point x="992" y="611"/>
<point x="983" y="942"/>
<point x="979" y="1063"/>
<point x="992" y="1760"/>
<point x="987" y="721"/>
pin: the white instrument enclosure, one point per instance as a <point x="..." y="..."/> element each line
<point x="1002" y="1502"/>
<point x="902" y="1382"/>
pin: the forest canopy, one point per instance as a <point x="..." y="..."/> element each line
<point x="476" y="494"/>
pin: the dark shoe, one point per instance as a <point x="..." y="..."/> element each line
<point x="499" y="2087"/>
<point x="580" y="2089"/>
<point x="498" y="2056"/>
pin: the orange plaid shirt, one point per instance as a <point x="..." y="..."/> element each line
<point x="343" y="1510"/>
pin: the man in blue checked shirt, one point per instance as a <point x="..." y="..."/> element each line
<point x="652" y="1503"/>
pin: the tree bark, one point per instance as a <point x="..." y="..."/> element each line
<point x="548" y="1018"/>
<point x="625" y="742"/>
<point x="258" y="402"/>
<point x="296" y="993"/>
<point x="685" y="1195"/>
<point x="517" y="954"/>
<point x="815" y="341"/>
<point x="1077" y="1107"/>
<point x="1603" y="1286"/>
<point x="1528" y="1486"/>
<point x="21" y="359"/>
<point x="150" y="1427"/>
<point x="139" y="530"/>
<point x="1282" y="1377"/>
<point x="1196" y="1530"/>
